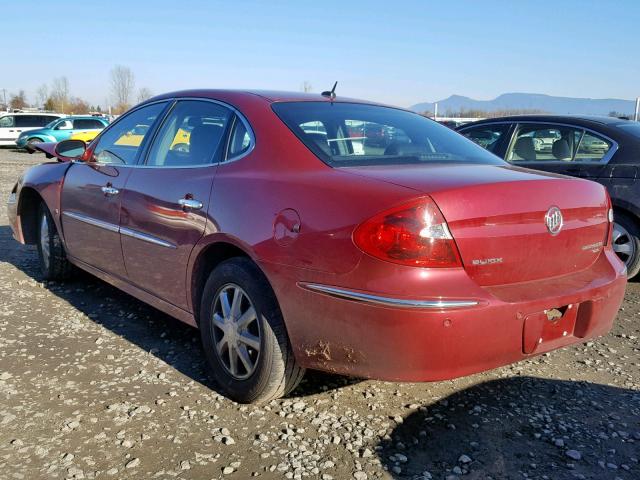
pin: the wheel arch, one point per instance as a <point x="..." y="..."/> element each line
<point x="209" y="256"/>
<point x="628" y="210"/>
<point x="30" y="200"/>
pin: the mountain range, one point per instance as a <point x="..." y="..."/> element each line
<point x="531" y="101"/>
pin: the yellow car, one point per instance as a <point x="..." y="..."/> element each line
<point x="134" y="137"/>
<point x="86" y="135"/>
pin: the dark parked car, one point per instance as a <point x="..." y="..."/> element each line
<point x="290" y="248"/>
<point x="604" y="149"/>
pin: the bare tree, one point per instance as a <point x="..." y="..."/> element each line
<point x="60" y="93"/>
<point x="18" y="101"/>
<point x="144" y="94"/>
<point x="42" y="94"/>
<point x="306" y="87"/>
<point x="78" y="106"/>
<point x="122" y="85"/>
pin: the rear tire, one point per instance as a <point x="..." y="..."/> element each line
<point x="626" y="242"/>
<point x="238" y="306"/>
<point x="53" y="258"/>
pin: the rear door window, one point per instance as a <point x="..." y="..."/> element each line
<point x="544" y="143"/>
<point x="557" y="143"/>
<point x="87" y="124"/>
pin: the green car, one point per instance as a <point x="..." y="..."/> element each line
<point x="62" y="129"/>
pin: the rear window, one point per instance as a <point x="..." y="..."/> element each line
<point x="348" y="134"/>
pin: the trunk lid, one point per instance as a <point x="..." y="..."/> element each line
<point x="496" y="215"/>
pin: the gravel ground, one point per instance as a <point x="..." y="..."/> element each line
<point x="95" y="384"/>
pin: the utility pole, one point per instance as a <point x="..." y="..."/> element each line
<point x="435" y="111"/>
<point x="635" y="117"/>
<point x="4" y="95"/>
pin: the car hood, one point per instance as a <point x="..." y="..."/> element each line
<point x="37" y="131"/>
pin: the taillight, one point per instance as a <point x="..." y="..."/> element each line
<point x="609" y="238"/>
<point x="413" y="234"/>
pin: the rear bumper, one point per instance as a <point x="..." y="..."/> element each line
<point x="400" y="343"/>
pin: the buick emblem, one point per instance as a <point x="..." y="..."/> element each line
<point x="553" y="220"/>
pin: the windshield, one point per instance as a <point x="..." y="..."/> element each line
<point x="631" y="127"/>
<point x="51" y="124"/>
<point x="349" y="134"/>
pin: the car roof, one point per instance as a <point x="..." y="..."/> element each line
<point x="270" y="96"/>
<point x="48" y="114"/>
<point x="575" y="119"/>
<point x="88" y="117"/>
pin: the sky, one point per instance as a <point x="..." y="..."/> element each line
<point x="392" y="51"/>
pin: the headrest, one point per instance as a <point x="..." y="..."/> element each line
<point x="561" y="149"/>
<point x="525" y="149"/>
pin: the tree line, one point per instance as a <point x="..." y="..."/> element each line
<point x="477" y="113"/>
<point x="56" y="96"/>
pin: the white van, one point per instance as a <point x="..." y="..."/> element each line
<point x="13" y="124"/>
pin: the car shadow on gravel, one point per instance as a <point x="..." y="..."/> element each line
<point x="517" y="428"/>
<point x="170" y="340"/>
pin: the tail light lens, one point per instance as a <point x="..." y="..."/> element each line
<point x="609" y="238"/>
<point x="414" y="234"/>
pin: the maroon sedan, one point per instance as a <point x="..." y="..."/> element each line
<point x="292" y="244"/>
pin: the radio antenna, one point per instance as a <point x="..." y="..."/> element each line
<point x="331" y="93"/>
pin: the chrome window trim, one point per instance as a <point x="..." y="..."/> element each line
<point x="235" y="114"/>
<point x="92" y="221"/>
<point x="145" y="238"/>
<point x="173" y="100"/>
<point x="387" y="301"/>
<point x="117" y="229"/>
<point x="603" y="161"/>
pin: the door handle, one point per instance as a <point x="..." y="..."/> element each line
<point x="109" y="190"/>
<point x="190" y="204"/>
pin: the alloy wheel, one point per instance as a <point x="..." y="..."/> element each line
<point x="236" y="331"/>
<point x="623" y="244"/>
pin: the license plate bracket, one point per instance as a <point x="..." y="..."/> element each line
<point x="545" y="330"/>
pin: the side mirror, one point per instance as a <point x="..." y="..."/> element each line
<point x="70" y="149"/>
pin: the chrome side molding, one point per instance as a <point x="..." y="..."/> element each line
<point x="145" y="238"/>
<point x="112" y="227"/>
<point x="387" y="301"/>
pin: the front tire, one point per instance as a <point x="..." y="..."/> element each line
<point x="53" y="258"/>
<point x="626" y="242"/>
<point x="32" y="143"/>
<point x="244" y="336"/>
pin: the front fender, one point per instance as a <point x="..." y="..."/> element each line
<point x="39" y="183"/>
<point x="42" y="136"/>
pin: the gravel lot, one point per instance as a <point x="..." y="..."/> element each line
<point x="95" y="384"/>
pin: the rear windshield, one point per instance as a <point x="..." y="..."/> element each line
<point x="349" y="134"/>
